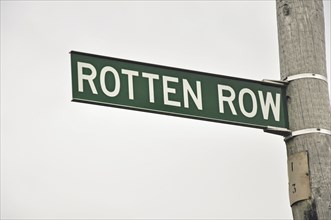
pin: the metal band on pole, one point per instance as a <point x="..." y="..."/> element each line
<point x="307" y="131"/>
<point x="305" y="75"/>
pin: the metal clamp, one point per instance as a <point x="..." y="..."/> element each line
<point x="307" y="131"/>
<point x="277" y="130"/>
<point x="274" y="82"/>
<point x="305" y="75"/>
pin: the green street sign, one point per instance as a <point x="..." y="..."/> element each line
<point x="178" y="92"/>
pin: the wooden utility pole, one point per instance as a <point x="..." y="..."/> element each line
<point x="303" y="65"/>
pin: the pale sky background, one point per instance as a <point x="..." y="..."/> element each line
<point x="65" y="160"/>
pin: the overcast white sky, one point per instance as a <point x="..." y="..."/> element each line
<point x="64" y="160"/>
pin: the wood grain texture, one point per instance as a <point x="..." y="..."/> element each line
<point x="302" y="50"/>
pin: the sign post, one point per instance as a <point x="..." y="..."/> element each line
<point x="178" y="92"/>
<point x="303" y="64"/>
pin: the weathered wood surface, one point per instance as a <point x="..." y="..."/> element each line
<point x="302" y="50"/>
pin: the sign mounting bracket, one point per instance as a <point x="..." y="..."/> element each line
<point x="276" y="130"/>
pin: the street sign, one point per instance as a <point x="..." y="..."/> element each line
<point x="178" y="92"/>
